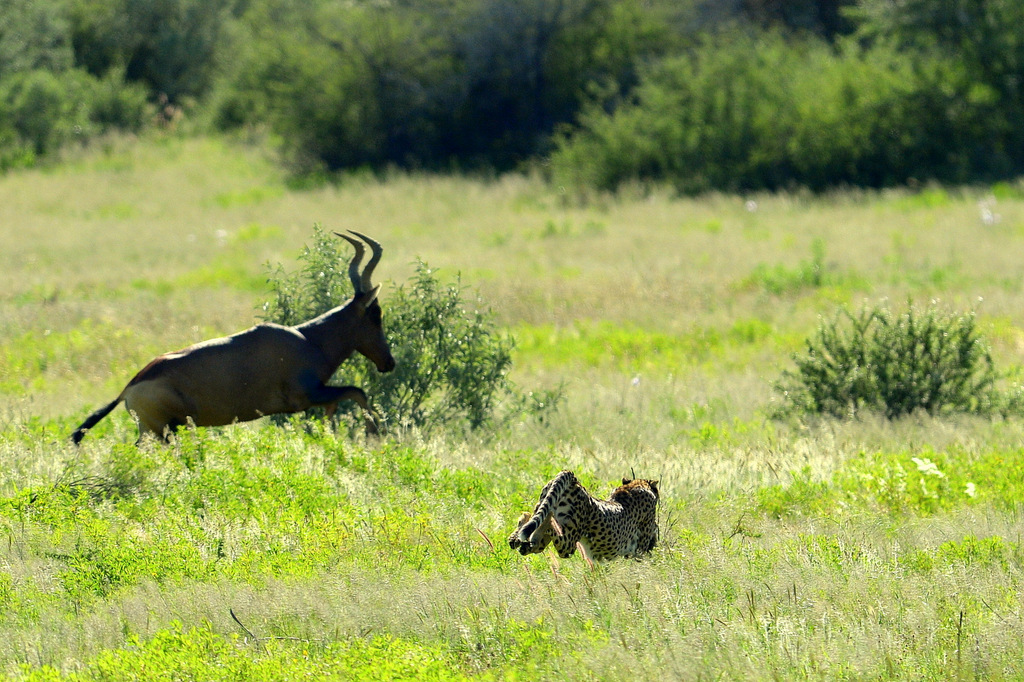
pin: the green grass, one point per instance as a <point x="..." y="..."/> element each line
<point x="199" y="653"/>
<point x="819" y="550"/>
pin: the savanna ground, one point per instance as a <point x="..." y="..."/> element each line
<point x="818" y="549"/>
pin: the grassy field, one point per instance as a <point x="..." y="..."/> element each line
<point x="819" y="550"/>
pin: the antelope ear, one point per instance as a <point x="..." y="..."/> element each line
<point x="364" y="301"/>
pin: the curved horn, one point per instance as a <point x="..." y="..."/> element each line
<point x="353" y="267"/>
<point x="374" y="259"/>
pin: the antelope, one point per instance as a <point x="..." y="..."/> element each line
<point x="266" y="369"/>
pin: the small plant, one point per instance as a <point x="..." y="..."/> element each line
<point x="779" y="280"/>
<point x="452" y="364"/>
<point x="921" y="359"/>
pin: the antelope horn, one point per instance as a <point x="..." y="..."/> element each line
<point x="353" y="267"/>
<point x="377" y="251"/>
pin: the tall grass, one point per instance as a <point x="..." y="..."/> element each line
<point x="870" y="548"/>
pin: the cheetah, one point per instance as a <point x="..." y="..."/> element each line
<point x="624" y="525"/>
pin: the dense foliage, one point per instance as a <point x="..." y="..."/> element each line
<point x="703" y="95"/>
<point x="895" y="364"/>
<point x="433" y="84"/>
<point x="760" y="111"/>
<point x="46" y="99"/>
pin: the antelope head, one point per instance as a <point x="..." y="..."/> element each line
<point x="368" y="337"/>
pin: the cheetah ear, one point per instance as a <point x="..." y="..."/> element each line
<point x="654" y="487"/>
<point x="626" y="481"/>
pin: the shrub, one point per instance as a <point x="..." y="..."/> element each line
<point x="768" y="111"/>
<point x="46" y="101"/>
<point x="168" y="48"/>
<point x="477" y="83"/>
<point x="452" y="364"/>
<point x="921" y="359"/>
<point x="42" y="111"/>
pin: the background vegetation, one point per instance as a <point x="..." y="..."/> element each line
<point x="704" y="95"/>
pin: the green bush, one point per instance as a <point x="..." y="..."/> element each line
<point x="46" y="101"/>
<point x="42" y="111"/>
<point x="169" y="48"/>
<point x="452" y="363"/>
<point x="426" y="85"/>
<point x="34" y="35"/>
<point x="920" y="359"/>
<point x="768" y="111"/>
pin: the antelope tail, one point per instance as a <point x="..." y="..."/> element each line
<point x="93" y="419"/>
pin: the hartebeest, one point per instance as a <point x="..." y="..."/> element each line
<point x="266" y="369"/>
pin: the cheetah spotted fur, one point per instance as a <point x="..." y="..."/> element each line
<point x="624" y="525"/>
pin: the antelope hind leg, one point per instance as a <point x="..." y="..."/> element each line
<point x="158" y="412"/>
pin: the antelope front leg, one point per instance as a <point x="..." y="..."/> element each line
<point x="330" y="396"/>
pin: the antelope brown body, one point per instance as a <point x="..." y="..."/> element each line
<point x="266" y="369"/>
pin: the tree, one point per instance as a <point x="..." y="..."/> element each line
<point x="168" y="45"/>
<point x="34" y="35"/>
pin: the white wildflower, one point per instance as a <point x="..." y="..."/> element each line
<point x="987" y="209"/>
<point x="927" y="467"/>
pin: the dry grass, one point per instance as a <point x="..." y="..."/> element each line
<point x="166" y="242"/>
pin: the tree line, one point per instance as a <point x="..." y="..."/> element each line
<point x="702" y="94"/>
